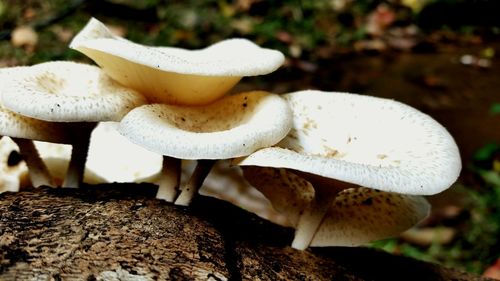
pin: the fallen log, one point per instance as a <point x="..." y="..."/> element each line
<point x="121" y="232"/>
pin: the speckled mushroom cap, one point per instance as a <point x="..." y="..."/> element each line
<point x="173" y="75"/>
<point x="230" y="127"/>
<point x="15" y="125"/>
<point x="366" y="141"/>
<point x="356" y="216"/>
<point x="68" y="92"/>
<point x="362" y="215"/>
<point x="19" y="126"/>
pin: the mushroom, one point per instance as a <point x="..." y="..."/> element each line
<point x="111" y="156"/>
<point x="173" y="75"/>
<point x="12" y="169"/>
<point x="231" y="127"/>
<point x="69" y="92"/>
<point x="354" y="140"/>
<point x="355" y="216"/>
<point x="22" y="130"/>
<point x="106" y="161"/>
<point x="226" y="182"/>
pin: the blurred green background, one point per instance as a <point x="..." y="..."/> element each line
<point x="438" y="56"/>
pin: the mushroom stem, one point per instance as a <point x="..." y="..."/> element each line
<point x="314" y="213"/>
<point x="80" y="143"/>
<point x="37" y="170"/>
<point x="169" y="179"/>
<point x="191" y="187"/>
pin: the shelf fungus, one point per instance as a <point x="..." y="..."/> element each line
<point x="231" y="127"/>
<point x="341" y="141"/>
<point x="173" y="75"/>
<point x="71" y="94"/>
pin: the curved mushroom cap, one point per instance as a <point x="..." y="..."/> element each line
<point x="367" y="141"/>
<point x="68" y="92"/>
<point x="289" y="194"/>
<point x="362" y="215"/>
<point x="231" y="127"/>
<point x="356" y="216"/>
<point x="111" y="156"/>
<point x="19" y="126"/>
<point x="173" y="75"/>
<point x="226" y="182"/>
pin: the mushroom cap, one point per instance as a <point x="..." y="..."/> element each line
<point x="111" y="156"/>
<point x="65" y="91"/>
<point x="356" y="215"/>
<point x="366" y="141"/>
<point x="173" y="75"/>
<point x="362" y="215"/>
<point x="226" y="182"/>
<point x="19" y="126"/>
<point x="288" y="193"/>
<point x="230" y="127"/>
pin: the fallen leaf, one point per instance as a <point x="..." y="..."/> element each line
<point x="427" y="236"/>
<point x="493" y="271"/>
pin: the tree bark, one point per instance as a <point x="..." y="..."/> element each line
<point x="121" y="232"/>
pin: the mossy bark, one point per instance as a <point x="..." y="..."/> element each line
<point x="121" y="232"/>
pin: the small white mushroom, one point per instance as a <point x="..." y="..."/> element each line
<point x="22" y="130"/>
<point x="288" y="193"/>
<point x="111" y="156"/>
<point x="230" y="127"/>
<point x="173" y="75"/>
<point x="226" y="182"/>
<point x="12" y="169"/>
<point x="58" y="167"/>
<point x="355" y="216"/>
<point x="69" y="92"/>
<point x="360" y="140"/>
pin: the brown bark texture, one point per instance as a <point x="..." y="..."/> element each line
<point x="121" y="232"/>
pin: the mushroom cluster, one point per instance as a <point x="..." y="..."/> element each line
<point x="343" y="169"/>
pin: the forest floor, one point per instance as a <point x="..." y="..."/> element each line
<point x="451" y="76"/>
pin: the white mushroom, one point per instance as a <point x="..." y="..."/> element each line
<point x="355" y="216"/>
<point x="12" y="169"/>
<point x="226" y="182"/>
<point x="22" y="131"/>
<point x="69" y="92"/>
<point x="112" y="157"/>
<point x="231" y="127"/>
<point x="173" y="75"/>
<point x="359" y="140"/>
<point x="58" y="167"/>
